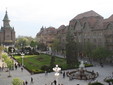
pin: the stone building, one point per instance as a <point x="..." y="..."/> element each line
<point x="92" y="27"/>
<point x="7" y="33"/>
<point x="108" y="32"/>
<point x="46" y="35"/>
<point x="88" y="27"/>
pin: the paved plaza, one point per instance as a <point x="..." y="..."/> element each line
<point x="42" y="79"/>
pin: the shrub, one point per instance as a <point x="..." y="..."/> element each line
<point x="109" y="80"/>
<point x="88" y="65"/>
<point x="17" y="81"/>
<point x="95" y="83"/>
<point x="45" y="68"/>
<point x="37" y="71"/>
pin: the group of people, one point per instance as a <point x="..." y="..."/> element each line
<point x="54" y="83"/>
<point x="26" y="82"/>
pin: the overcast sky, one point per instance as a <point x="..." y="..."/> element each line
<point x="28" y="16"/>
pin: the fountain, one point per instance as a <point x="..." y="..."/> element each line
<point x="82" y="73"/>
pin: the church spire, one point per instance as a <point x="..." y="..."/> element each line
<point x="6" y="20"/>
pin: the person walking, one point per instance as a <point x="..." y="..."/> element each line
<point x="21" y="69"/>
<point x="64" y="74"/>
<point x="26" y="82"/>
<point x="31" y="80"/>
<point x="15" y="66"/>
<point x="55" y="82"/>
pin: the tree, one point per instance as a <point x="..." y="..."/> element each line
<point x="71" y="50"/>
<point x="9" y="62"/>
<point x="42" y="46"/>
<point x="87" y="50"/>
<point x="24" y="41"/>
<point x="17" y="81"/>
<point x="52" y="62"/>
<point x="33" y="43"/>
<point x="55" y="45"/>
<point x="1" y="49"/>
<point x="101" y="53"/>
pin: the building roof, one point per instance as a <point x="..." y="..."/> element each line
<point x="87" y="14"/>
<point x="6" y="16"/>
<point x="109" y="19"/>
<point x="62" y="27"/>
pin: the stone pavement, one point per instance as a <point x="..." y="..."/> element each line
<point x="42" y="79"/>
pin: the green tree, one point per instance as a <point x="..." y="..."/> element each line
<point x="17" y="81"/>
<point x="9" y="62"/>
<point x="42" y="46"/>
<point x="24" y="41"/>
<point x="56" y="45"/>
<point x="71" y="50"/>
<point x="1" y="49"/>
<point x="33" y="43"/>
<point x="52" y="62"/>
<point x="101" y="53"/>
<point x="87" y="50"/>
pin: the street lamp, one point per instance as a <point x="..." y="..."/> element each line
<point x="56" y="70"/>
<point x="12" y="51"/>
<point x="12" y="58"/>
<point x="22" y="59"/>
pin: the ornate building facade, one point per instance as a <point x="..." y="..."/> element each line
<point x="7" y="33"/>
<point x="92" y="27"/>
<point x="46" y="35"/>
<point x="88" y="27"/>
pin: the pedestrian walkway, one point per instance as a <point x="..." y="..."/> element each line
<point x="42" y="79"/>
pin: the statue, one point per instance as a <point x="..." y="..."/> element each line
<point x="81" y="64"/>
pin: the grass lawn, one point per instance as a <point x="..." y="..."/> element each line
<point x="34" y="62"/>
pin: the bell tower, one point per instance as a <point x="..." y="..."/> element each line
<point x="7" y="33"/>
<point x="6" y="21"/>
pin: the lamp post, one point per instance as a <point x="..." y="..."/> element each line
<point x="56" y="70"/>
<point x="12" y="58"/>
<point x="12" y="51"/>
<point x="22" y="59"/>
<point x="21" y="47"/>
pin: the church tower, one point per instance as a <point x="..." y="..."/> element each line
<point x="7" y="33"/>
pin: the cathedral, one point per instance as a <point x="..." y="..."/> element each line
<point x="7" y="33"/>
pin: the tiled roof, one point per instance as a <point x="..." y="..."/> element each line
<point x="109" y="19"/>
<point x="87" y="14"/>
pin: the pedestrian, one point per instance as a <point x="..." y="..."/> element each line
<point x="19" y="65"/>
<point x="64" y="74"/>
<point x="22" y="69"/>
<point x="45" y="72"/>
<point x="97" y="74"/>
<point x="26" y="82"/>
<point x="112" y="74"/>
<point x="15" y="66"/>
<point x="31" y="80"/>
<point x="51" y="83"/>
<point x="110" y="83"/>
<point x="55" y="82"/>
